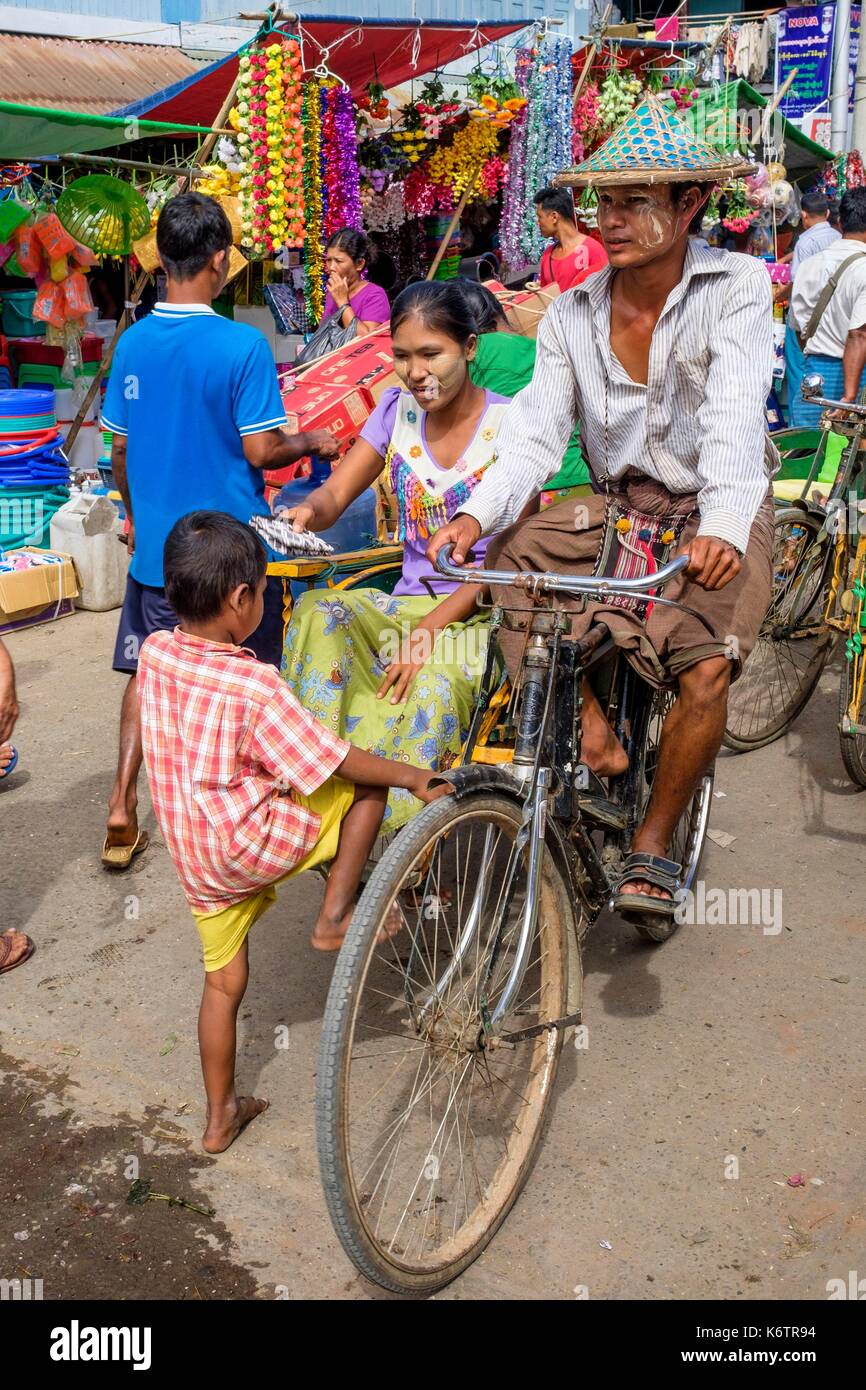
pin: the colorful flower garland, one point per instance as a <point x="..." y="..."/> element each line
<point x="270" y="136"/>
<point x="514" y="206"/>
<point x="340" y="161"/>
<point x="314" y="255"/>
<point x="540" y="145"/>
<point x="455" y="166"/>
<point x="421" y="197"/>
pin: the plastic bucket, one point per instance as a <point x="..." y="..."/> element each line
<point x="18" y="320"/>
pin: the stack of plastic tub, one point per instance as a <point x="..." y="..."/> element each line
<point x="34" y="473"/>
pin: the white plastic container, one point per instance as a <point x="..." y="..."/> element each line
<point x="86" y="527"/>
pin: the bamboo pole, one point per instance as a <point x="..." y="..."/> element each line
<point x="594" y="49"/>
<point x="457" y="214"/>
<point x="771" y="108"/>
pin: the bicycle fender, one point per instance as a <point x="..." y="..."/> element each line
<point x="477" y="777"/>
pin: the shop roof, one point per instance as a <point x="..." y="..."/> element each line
<point x="355" y="50"/>
<point x="718" y="119"/>
<point x="32" y="132"/>
<point x="95" y="76"/>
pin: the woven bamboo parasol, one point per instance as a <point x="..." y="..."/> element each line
<point x="654" y="146"/>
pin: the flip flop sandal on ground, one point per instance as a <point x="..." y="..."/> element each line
<point x="121" y="856"/>
<point x="648" y="868"/>
<point x="6" y="948"/>
<point x="10" y="766"/>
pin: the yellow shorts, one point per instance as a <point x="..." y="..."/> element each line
<point x="225" y="931"/>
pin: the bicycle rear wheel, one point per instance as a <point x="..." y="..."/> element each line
<point x="793" y="645"/>
<point x="687" y="845"/>
<point x="852" y="746"/>
<point x="431" y="1097"/>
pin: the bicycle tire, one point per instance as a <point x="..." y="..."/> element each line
<point x="775" y="654"/>
<point x="351" y="1215"/>
<point x="851" y="746"/>
<point x="690" y="835"/>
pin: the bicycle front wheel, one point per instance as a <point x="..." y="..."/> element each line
<point x="433" y="1079"/>
<point x="793" y="645"/>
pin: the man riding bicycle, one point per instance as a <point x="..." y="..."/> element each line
<point x="665" y="356"/>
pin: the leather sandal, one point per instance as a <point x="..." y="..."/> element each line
<point x="121" y="856"/>
<point x="648" y="868"/>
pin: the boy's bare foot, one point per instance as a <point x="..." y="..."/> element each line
<point x="329" y="935"/>
<point x="223" y="1129"/>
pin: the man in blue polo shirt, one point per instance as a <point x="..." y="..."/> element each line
<point x="194" y="407"/>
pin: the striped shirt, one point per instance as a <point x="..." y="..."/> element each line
<point x="698" y="425"/>
<point x="815" y="238"/>
<point x="225" y="745"/>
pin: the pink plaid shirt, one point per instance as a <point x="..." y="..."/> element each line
<point x="225" y="745"/>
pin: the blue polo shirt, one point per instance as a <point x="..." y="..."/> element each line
<point x="186" y="386"/>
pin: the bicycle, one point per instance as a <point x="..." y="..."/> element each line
<point x="818" y="596"/>
<point x="440" y="1044"/>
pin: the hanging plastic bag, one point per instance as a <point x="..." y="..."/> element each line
<point x="54" y="236"/>
<point x="28" y="250"/>
<point x="77" y="295"/>
<point x="59" y="269"/>
<point x="83" y="256"/>
<point x="49" y="305"/>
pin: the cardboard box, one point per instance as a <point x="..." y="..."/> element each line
<point x="362" y="363"/>
<point x="40" y="595"/>
<point x="525" y="309"/>
<point x="312" y="406"/>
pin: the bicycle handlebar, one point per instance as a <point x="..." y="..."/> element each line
<point x="811" y="388"/>
<point x="536" y="582"/>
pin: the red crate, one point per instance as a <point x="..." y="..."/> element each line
<point x="362" y="363"/>
<point x="312" y="406"/>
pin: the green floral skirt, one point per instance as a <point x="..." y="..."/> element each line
<point x="338" y="647"/>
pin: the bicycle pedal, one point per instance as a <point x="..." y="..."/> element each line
<point x="604" y="811"/>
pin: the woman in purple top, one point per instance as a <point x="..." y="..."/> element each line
<point x="347" y="255"/>
<point x="398" y="673"/>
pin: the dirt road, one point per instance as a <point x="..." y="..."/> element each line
<point x="717" y="1067"/>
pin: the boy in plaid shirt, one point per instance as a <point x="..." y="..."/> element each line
<point x="247" y="787"/>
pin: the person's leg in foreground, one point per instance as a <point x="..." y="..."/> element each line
<point x="227" y="1112"/>
<point x="122" y="824"/>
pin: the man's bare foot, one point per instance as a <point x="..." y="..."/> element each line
<point x="601" y="750"/>
<point x="223" y="1129"/>
<point x="5" y="757"/>
<point x="122" y="825"/>
<point x="14" y="949"/>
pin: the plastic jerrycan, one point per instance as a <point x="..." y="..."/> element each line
<point x="87" y="527"/>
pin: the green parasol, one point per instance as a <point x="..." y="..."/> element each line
<point x="104" y="213"/>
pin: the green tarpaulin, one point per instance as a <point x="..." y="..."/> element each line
<point x="732" y="118"/>
<point x="34" y="132"/>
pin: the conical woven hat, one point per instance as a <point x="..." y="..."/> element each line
<point x="654" y="146"/>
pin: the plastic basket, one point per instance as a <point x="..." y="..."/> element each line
<point x="39" y="374"/>
<point x="18" y="320"/>
<point x="12" y="214"/>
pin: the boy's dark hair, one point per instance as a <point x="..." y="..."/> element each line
<point x="441" y="304"/>
<point x="852" y="211"/>
<point x="191" y="229"/>
<point x="816" y="204"/>
<point x="556" y="200"/>
<point x="487" y="312"/>
<point x="677" y="191"/>
<point x="207" y="556"/>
